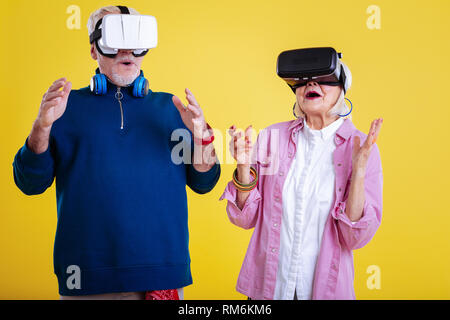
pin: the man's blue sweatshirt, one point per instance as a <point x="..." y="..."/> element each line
<point x="121" y="198"/>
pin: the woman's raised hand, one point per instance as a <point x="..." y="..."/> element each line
<point x="241" y="149"/>
<point x="360" y="154"/>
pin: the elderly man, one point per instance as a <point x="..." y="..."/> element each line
<point x="122" y="228"/>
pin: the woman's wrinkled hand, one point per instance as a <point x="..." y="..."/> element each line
<point x="241" y="149"/>
<point x="360" y="154"/>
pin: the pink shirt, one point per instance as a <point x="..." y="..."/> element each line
<point x="273" y="154"/>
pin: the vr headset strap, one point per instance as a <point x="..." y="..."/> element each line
<point x="343" y="78"/>
<point x="97" y="34"/>
<point x="123" y="10"/>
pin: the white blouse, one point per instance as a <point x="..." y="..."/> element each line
<point x="307" y="200"/>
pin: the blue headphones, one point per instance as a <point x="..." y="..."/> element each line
<point x="99" y="85"/>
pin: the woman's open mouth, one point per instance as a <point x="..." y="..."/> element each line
<point x="311" y="95"/>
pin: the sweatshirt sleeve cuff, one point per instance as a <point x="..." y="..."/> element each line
<point x="204" y="180"/>
<point x="30" y="159"/>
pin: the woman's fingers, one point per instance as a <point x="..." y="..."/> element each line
<point x="236" y="136"/>
<point x="374" y="131"/>
<point x="240" y="148"/>
<point x="248" y="134"/>
<point x="356" y="146"/>
<point x="377" y="129"/>
<point x="372" y="136"/>
<point x="369" y="138"/>
<point x="231" y="130"/>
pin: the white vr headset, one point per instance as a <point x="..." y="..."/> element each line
<point x="125" y="31"/>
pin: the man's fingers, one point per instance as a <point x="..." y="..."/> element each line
<point x="67" y="88"/>
<point x="190" y="97"/>
<point x="53" y="95"/>
<point x="47" y="105"/>
<point x="178" y="104"/>
<point x="194" y="109"/>
<point x="56" y="85"/>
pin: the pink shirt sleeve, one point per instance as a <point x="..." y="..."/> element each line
<point x="245" y="218"/>
<point x="357" y="235"/>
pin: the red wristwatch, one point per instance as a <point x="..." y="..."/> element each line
<point x="206" y="141"/>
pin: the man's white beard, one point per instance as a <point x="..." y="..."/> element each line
<point x="123" y="81"/>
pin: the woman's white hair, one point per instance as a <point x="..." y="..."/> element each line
<point x="100" y="13"/>
<point x="341" y="106"/>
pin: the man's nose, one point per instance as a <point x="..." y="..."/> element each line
<point x="125" y="51"/>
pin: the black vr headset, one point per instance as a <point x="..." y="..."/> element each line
<point x="322" y="64"/>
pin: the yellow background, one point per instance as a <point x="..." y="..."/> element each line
<point x="225" y="52"/>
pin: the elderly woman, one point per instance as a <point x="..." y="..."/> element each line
<point x="316" y="196"/>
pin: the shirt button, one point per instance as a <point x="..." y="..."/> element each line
<point x="275" y="225"/>
<point x="277" y="199"/>
<point x="339" y="164"/>
<point x="274" y="250"/>
<point x="281" y="174"/>
<point x="290" y="155"/>
<point x="339" y="189"/>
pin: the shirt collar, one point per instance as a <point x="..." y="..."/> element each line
<point x="323" y="133"/>
<point x="344" y="131"/>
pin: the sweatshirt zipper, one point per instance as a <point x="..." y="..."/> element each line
<point x="119" y="96"/>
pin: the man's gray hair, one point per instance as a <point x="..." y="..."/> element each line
<point x="100" y="13"/>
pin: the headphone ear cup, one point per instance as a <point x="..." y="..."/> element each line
<point x="136" y="87"/>
<point x="145" y="87"/>
<point x="104" y="83"/>
<point x="140" y="88"/>
<point x="98" y="84"/>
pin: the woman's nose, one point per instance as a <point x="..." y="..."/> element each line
<point x="312" y="83"/>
